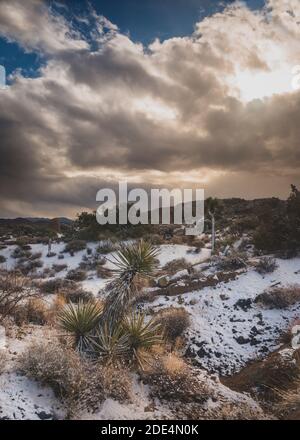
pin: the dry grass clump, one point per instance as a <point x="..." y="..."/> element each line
<point x="174" y="321"/>
<point x="78" y="382"/>
<point x="176" y="265"/>
<point x="280" y="297"/>
<point x="171" y="379"/>
<point x="34" y="311"/>
<point x="266" y="265"/>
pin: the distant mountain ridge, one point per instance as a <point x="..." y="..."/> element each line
<point x="24" y="220"/>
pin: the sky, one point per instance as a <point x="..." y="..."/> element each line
<point x="172" y="93"/>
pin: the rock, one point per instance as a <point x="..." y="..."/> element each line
<point x="244" y="304"/>
<point x="163" y="281"/>
<point x="241" y="340"/>
<point x="44" y="416"/>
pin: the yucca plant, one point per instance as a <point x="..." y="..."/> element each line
<point x="109" y="342"/>
<point x="132" y="260"/>
<point x="142" y="336"/>
<point x="80" y="319"/>
<point x="138" y="257"/>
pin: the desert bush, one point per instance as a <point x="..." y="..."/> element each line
<point x="34" y="311"/>
<point x="72" y="379"/>
<point x="172" y="379"/>
<point x="54" y="286"/>
<point x="266" y="265"/>
<point x="35" y="256"/>
<point x="174" y="321"/>
<point x="106" y="247"/>
<point x="29" y="266"/>
<point x="76" y="275"/>
<point x="18" y="252"/>
<point x="75" y="246"/>
<point x="59" y="267"/>
<point x="80" y="320"/>
<point x="2" y="259"/>
<point x="3" y="360"/>
<point x="117" y="382"/>
<point x="176" y="265"/>
<point x="280" y="297"/>
<point x="23" y="242"/>
<point x="234" y="261"/>
<point x="76" y="296"/>
<point x="14" y="288"/>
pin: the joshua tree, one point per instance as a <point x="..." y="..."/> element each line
<point x="212" y="206"/>
<point x="131" y="261"/>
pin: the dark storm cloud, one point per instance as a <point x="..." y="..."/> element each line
<point x="121" y="108"/>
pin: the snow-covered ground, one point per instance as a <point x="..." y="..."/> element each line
<point x="228" y="329"/>
<point x="93" y="283"/>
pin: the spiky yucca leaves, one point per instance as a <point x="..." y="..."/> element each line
<point x="80" y="319"/>
<point x="142" y="336"/>
<point x="136" y="257"/>
<point x="109" y="342"/>
<point x="132" y="260"/>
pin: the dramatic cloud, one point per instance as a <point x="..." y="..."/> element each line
<point x="211" y="109"/>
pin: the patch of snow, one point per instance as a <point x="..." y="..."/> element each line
<point x="226" y="334"/>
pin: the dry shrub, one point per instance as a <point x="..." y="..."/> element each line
<point x="36" y="256"/>
<point x="78" y="382"/>
<point x="176" y="265"/>
<point x="175" y="321"/>
<point x="59" y="267"/>
<point x="34" y="311"/>
<point x="14" y="288"/>
<point x="266" y="265"/>
<point x="3" y="359"/>
<point x="267" y="379"/>
<point x="172" y="379"/>
<point x="64" y="371"/>
<point x="56" y="285"/>
<point x="76" y="275"/>
<point x="280" y="297"/>
<point x="235" y="261"/>
<point x="117" y="382"/>
<point x="76" y="296"/>
<point x="75" y="246"/>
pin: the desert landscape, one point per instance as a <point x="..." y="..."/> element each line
<point x="149" y="323"/>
